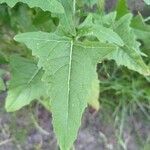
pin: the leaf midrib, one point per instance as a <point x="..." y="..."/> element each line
<point x="68" y="82"/>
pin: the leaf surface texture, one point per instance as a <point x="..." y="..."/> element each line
<point x="46" y="5"/>
<point x="25" y="85"/>
<point x="69" y="69"/>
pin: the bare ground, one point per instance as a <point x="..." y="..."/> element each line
<point x="32" y="130"/>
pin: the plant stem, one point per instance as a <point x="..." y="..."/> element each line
<point x="74" y="7"/>
<point x="101" y="6"/>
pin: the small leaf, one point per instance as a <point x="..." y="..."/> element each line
<point x="107" y="19"/>
<point x="25" y="85"/>
<point x="46" y="5"/>
<point x="107" y="34"/>
<point x="129" y="55"/>
<point x="69" y="69"/>
<point x="142" y="31"/>
<point x="102" y="33"/>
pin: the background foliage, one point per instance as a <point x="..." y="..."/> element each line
<point x="124" y="92"/>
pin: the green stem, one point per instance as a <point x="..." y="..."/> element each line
<point x="101" y="6"/>
<point x="74" y="7"/>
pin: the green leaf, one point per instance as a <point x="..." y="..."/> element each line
<point x="46" y="5"/>
<point x="2" y="85"/>
<point x="69" y="69"/>
<point x="94" y="96"/>
<point x="129" y="55"/>
<point x="122" y="8"/>
<point x="102" y="33"/>
<point x="67" y="20"/>
<point x="142" y="31"/>
<point x="107" y="34"/>
<point x="119" y="33"/>
<point x="147" y="2"/>
<point x="107" y="19"/>
<point x="25" y="85"/>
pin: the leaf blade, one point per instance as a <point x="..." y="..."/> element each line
<point x="69" y="69"/>
<point x="122" y="8"/>
<point x="67" y="20"/>
<point x="25" y="85"/>
<point x="46" y="5"/>
<point x="129" y="55"/>
<point x="98" y="30"/>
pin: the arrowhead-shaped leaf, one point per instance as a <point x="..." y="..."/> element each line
<point x="46" y="5"/>
<point x="69" y="69"/>
<point x="25" y="85"/>
<point x="120" y="33"/>
<point x="102" y="33"/>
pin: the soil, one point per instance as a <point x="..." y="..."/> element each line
<point x="33" y="130"/>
